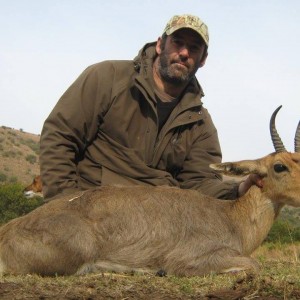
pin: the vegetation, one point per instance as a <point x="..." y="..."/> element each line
<point x="19" y="156"/>
<point x="13" y="203"/>
<point x="10" y="153"/>
<point x="32" y="145"/>
<point x="274" y="282"/>
<point x="31" y="158"/>
<point x="284" y="232"/>
<point x="3" y="177"/>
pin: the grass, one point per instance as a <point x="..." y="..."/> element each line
<point x="279" y="278"/>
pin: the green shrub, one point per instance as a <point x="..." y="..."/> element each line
<point x="3" y="177"/>
<point x="14" y="204"/>
<point x="12" y="133"/>
<point x="12" y="140"/>
<point x="34" y="146"/>
<point x="283" y="231"/>
<point x="31" y="158"/>
<point x="10" y="153"/>
<point x="13" y="179"/>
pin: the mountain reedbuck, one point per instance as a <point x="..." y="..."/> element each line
<point x="143" y="228"/>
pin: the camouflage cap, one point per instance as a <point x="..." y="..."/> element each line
<point x="187" y="21"/>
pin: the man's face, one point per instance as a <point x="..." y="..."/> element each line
<point x="180" y="56"/>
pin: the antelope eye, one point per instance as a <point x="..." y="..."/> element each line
<point x="278" y="168"/>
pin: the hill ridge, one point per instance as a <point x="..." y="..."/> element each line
<point x="19" y="153"/>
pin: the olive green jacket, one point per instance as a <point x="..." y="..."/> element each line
<point x="104" y="130"/>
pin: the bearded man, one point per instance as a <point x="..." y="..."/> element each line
<point x="138" y="122"/>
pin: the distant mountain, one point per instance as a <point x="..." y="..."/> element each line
<point x="19" y="155"/>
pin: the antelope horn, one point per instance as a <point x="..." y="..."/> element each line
<point x="297" y="139"/>
<point x="278" y="145"/>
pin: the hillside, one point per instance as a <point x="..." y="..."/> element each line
<point x="19" y="155"/>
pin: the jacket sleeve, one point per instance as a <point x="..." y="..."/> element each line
<point x="71" y="127"/>
<point x="196" y="173"/>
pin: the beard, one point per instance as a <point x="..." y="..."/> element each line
<point x="175" y="72"/>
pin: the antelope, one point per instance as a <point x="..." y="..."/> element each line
<point x="34" y="189"/>
<point x="146" y="229"/>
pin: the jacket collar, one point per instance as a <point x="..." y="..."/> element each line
<point x="143" y="64"/>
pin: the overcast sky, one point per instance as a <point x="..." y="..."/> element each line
<point x="253" y="64"/>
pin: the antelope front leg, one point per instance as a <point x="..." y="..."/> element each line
<point x="240" y="263"/>
<point x="223" y="260"/>
<point x="107" y="266"/>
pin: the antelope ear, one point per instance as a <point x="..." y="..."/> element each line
<point x="241" y="168"/>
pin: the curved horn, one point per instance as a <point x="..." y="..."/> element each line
<point x="278" y="145"/>
<point x="297" y="139"/>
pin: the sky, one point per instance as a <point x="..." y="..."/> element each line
<point x="253" y="64"/>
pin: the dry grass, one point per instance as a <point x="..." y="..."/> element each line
<point x="279" y="279"/>
<point x="280" y="253"/>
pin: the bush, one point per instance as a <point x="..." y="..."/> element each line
<point x="31" y="158"/>
<point x="10" y="153"/>
<point x="283" y="231"/>
<point x="3" y="177"/>
<point x="13" y="179"/>
<point x="34" y="146"/>
<point x="14" y="204"/>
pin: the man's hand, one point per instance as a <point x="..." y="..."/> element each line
<point x="252" y="179"/>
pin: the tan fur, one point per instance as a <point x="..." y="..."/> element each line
<point x="35" y="188"/>
<point x="145" y="228"/>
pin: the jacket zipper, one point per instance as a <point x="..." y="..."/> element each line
<point x="165" y="130"/>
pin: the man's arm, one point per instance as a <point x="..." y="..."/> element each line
<point x="196" y="173"/>
<point x="70" y="128"/>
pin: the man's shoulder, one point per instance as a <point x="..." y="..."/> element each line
<point x="116" y="69"/>
<point x="116" y="64"/>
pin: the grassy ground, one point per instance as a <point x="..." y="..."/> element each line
<point x="279" y="279"/>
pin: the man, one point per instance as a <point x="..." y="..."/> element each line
<point x="138" y="122"/>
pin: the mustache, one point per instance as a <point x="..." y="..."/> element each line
<point x="181" y="61"/>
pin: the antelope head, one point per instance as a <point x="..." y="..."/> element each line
<point x="279" y="171"/>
